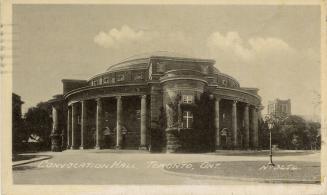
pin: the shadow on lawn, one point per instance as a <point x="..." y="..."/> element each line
<point x="27" y="159"/>
<point x="23" y="168"/>
<point x="19" y="157"/>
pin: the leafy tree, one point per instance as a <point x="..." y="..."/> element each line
<point x="312" y="138"/>
<point x="38" y="123"/>
<point x="275" y="122"/>
<point x="264" y="135"/>
<point x="292" y="131"/>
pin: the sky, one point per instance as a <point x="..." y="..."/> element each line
<point x="273" y="48"/>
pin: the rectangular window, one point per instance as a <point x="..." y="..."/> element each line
<point x="160" y="67"/>
<point x="187" y="119"/>
<point x="187" y="99"/>
<point x="120" y="77"/>
<point x="112" y="80"/>
<point x="138" y="76"/>
<point x="105" y="80"/>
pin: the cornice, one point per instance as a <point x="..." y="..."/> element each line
<point x="101" y="87"/>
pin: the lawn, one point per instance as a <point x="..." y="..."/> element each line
<point x="283" y="170"/>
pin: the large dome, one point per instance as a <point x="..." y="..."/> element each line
<point x="140" y="61"/>
<point x="158" y="54"/>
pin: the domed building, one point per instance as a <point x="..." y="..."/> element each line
<point x="158" y="102"/>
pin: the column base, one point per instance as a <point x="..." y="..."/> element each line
<point x="55" y="148"/>
<point x="217" y="148"/>
<point x="81" y="148"/>
<point x="97" y="147"/>
<point x="55" y="142"/>
<point x="143" y="147"/>
<point x="236" y="148"/>
<point x="73" y="147"/>
<point x="118" y="147"/>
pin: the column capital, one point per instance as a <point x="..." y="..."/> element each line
<point x="98" y="99"/>
<point x="235" y="102"/>
<point x="55" y="106"/>
<point x="73" y="104"/>
<point x="83" y="103"/>
<point x="255" y="108"/>
<point x="54" y="109"/>
<point x="118" y="97"/>
<point x="143" y="96"/>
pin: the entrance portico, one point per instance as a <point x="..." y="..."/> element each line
<point x="77" y="112"/>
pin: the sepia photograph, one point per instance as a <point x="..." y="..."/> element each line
<point x="165" y="94"/>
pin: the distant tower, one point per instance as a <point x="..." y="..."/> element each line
<point x="279" y="107"/>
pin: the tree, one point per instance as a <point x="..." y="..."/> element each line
<point x="264" y="135"/>
<point x="19" y="135"/>
<point x="312" y="138"/>
<point x="276" y="122"/>
<point x="38" y="123"/>
<point x="292" y="130"/>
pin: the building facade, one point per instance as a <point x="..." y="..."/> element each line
<point x="279" y="107"/>
<point x="157" y="102"/>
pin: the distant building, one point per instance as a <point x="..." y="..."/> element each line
<point x="279" y="107"/>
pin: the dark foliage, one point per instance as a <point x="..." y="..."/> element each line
<point x="292" y="132"/>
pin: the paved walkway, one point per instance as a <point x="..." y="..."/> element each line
<point x="131" y="167"/>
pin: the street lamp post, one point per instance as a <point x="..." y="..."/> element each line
<point x="270" y="126"/>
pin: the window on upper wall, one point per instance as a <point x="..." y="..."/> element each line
<point x="105" y="80"/>
<point x="188" y="99"/>
<point x="187" y="119"/>
<point x="95" y="82"/>
<point x="138" y="76"/>
<point x="120" y="77"/>
<point x="112" y="80"/>
<point x="160" y="67"/>
<point x="224" y="83"/>
<point x="205" y="69"/>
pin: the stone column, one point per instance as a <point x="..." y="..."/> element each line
<point x="98" y="124"/>
<point x="143" y="145"/>
<point x="74" y="125"/>
<point x="69" y="122"/>
<point x="217" y="100"/>
<point x="246" y="126"/>
<point x="119" y="122"/>
<point x="83" y="123"/>
<point x="254" y="127"/>
<point x="55" y="135"/>
<point x="234" y="124"/>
